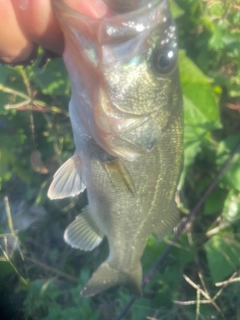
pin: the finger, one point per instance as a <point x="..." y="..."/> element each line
<point x="91" y="8"/>
<point x="14" y="45"/>
<point x="38" y="23"/>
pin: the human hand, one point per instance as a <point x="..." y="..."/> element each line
<point x="25" y="24"/>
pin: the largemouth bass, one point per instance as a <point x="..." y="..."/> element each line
<point x="126" y="115"/>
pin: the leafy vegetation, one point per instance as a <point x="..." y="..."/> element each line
<point x="199" y="279"/>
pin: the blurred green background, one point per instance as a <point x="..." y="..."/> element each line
<point x="41" y="276"/>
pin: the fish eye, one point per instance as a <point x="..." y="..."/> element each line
<point x="164" y="60"/>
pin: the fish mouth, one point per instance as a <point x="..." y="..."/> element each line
<point x="146" y="16"/>
<point x="123" y="6"/>
<point x="113" y="28"/>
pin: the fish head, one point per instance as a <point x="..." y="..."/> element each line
<point x="123" y="71"/>
<point x="141" y="73"/>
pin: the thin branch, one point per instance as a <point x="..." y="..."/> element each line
<point x="13" y="266"/>
<point x="224" y="286"/>
<point x="26" y="80"/>
<point x="200" y="275"/>
<point x="205" y="294"/>
<point x="222" y="226"/>
<point x="9" y="216"/>
<point x="198" y="303"/>
<point x="17" y="105"/>
<point x="219" y="284"/>
<point x="14" y="92"/>
<point x="57" y="272"/>
<point x="195" y="286"/>
<point x="191" y="302"/>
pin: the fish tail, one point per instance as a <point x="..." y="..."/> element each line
<point x="106" y="277"/>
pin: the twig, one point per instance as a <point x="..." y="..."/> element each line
<point x="190" y="302"/>
<point x="224" y="286"/>
<point x="179" y="231"/>
<point x="25" y="80"/>
<point x="10" y="224"/>
<point x="200" y="275"/>
<point x="223" y="283"/>
<point x="59" y="273"/>
<point x="18" y="105"/>
<point x="205" y="294"/>
<point x="14" y="92"/>
<point x="198" y="303"/>
<point x="9" y="216"/>
<point x="195" y="286"/>
<point x="12" y="265"/>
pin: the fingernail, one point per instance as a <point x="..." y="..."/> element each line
<point x="23" y="4"/>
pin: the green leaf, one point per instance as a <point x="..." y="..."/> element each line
<point x="216" y="9"/>
<point x="201" y="107"/>
<point x="201" y="112"/>
<point x="6" y="269"/>
<point x="191" y="149"/>
<point x="216" y="41"/>
<point x="223" y="252"/>
<point x="189" y="72"/>
<point x="201" y="115"/>
<point x="5" y="73"/>
<point x="231" y="177"/>
<point x="176" y="11"/>
<point x="215" y="202"/>
<point x="231" y="210"/>
<point x="184" y="252"/>
<point x="154" y="249"/>
<point x="54" y="78"/>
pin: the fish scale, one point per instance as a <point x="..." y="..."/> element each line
<point x="127" y="121"/>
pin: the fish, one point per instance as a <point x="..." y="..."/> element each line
<point x="127" y="121"/>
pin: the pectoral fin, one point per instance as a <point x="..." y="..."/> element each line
<point x="119" y="175"/>
<point x="67" y="181"/>
<point x="83" y="233"/>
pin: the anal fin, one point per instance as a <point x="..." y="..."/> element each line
<point x="83" y="233"/>
<point x="67" y="181"/>
<point x="119" y="175"/>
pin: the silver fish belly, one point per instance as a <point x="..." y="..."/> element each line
<point x="126" y="115"/>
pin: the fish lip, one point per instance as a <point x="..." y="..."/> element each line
<point x="127" y="6"/>
<point x="119" y="28"/>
